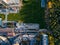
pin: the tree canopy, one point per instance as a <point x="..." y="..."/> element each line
<point x="32" y="12"/>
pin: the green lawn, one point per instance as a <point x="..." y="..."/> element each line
<point x="11" y="17"/>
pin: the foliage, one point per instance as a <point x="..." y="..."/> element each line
<point x="32" y="12"/>
<point x="54" y="17"/>
<point x="51" y="40"/>
<point x="2" y="16"/>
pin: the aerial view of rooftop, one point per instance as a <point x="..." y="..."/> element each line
<point x="29" y="22"/>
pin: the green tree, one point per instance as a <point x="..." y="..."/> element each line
<point x="53" y="19"/>
<point x="32" y="12"/>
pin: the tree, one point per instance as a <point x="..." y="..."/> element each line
<point x="32" y="12"/>
<point x="54" y="18"/>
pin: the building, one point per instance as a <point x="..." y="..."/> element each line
<point x="13" y="6"/>
<point x="7" y="31"/>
